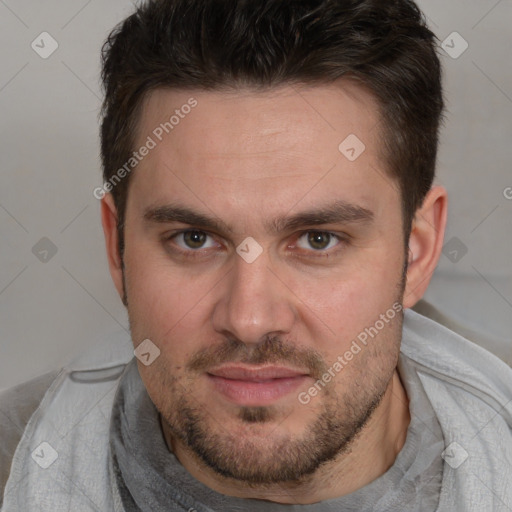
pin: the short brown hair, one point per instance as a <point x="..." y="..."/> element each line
<point x="217" y="44"/>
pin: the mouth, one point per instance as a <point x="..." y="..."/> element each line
<point x="255" y="386"/>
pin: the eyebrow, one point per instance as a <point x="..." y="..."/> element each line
<point x="338" y="212"/>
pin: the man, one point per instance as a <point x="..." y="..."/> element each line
<point x="270" y="220"/>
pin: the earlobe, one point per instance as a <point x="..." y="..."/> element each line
<point x="425" y="244"/>
<point x="109" y="222"/>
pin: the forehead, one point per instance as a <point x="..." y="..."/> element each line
<point x="261" y="147"/>
<point x="255" y="117"/>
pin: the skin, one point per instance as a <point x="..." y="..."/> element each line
<point x="245" y="158"/>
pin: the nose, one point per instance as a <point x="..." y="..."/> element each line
<point x="254" y="303"/>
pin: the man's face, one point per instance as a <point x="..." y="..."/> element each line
<point x="243" y="334"/>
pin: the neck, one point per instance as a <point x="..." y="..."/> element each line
<point x="371" y="454"/>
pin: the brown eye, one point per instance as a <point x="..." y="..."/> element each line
<point x="194" y="239"/>
<point x="192" y="243"/>
<point x="318" y="240"/>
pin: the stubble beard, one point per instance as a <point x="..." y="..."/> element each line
<point x="278" y="458"/>
<point x="257" y="450"/>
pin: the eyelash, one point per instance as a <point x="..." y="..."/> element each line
<point x="198" y="253"/>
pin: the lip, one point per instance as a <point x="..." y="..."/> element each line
<point x="255" y="386"/>
<point x="254" y="374"/>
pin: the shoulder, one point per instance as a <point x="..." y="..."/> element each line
<point x="457" y="362"/>
<point x="103" y="359"/>
<point x="494" y="344"/>
<point x="17" y="404"/>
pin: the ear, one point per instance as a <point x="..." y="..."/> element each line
<point x="109" y="223"/>
<point x="425" y="244"/>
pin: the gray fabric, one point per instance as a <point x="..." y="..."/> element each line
<point x="18" y="403"/>
<point x="16" y="406"/>
<point x="150" y="478"/>
<point x="469" y="389"/>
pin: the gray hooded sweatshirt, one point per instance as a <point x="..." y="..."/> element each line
<point x="94" y="444"/>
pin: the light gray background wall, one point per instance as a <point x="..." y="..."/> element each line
<point x="52" y="305"/>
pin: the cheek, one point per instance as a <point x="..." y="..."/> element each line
<point x="159" y="293"/>
<point x="347" y="303"/>
<point x="168" y="307"/>
<point x="162" y="382"/>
